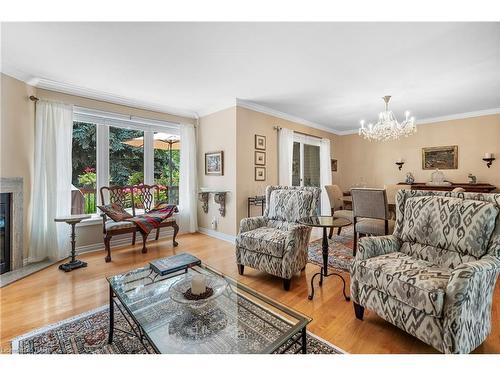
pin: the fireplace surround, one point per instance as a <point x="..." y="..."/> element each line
<point x="14" y="186"/>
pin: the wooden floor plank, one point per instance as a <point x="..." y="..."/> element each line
<point x="50" y="295"/>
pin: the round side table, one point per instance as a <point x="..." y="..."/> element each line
<point x="72" y="220"/>
<point x="325" y="222"/>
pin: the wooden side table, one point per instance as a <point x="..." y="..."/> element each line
<point x="72" y="220"/>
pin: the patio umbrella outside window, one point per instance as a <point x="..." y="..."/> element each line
<point x="161" y="141"/>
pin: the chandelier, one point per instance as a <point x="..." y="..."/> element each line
<point x="387" y="127"/>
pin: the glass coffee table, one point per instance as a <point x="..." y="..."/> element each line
<point x="240" y="320"/>
<point x="325" y="222"/>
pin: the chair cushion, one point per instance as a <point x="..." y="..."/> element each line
<point x="373" y="226"/>
<point x="115" y="225"/>
<point x="264" y="240"/>
<point x="454" y="224"/>
<point x="343" y="214"/>
<point x="414" y="282"/>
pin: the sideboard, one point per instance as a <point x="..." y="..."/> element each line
<point x="473" y="188"/>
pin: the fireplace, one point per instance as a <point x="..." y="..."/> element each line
<point x="5" y="232"/>
<point x="11" y="224"/>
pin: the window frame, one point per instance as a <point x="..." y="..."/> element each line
<point x="103" y="121"/>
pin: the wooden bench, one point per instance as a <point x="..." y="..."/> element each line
<point x="134" y="196"/>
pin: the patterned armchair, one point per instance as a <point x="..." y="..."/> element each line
<point x="434" y="277"/>
<point x="275" y="243"/>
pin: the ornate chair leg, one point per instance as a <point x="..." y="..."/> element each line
<point x="133" y="237"/>
<point x="107" y="245"/>
<point x="176" y="230"/>
<point x="331" y="233"/>
<point x="157" y="234"/>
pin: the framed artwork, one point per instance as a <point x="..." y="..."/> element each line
<point x="260" y="173"/>
<point x="443" y="157"/>
<point x="260" y="142"/>
<point x="260" y="158"/>
<point x="334" y="165"/>
<point x="214" y="163"/>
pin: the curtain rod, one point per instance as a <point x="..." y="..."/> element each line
<point x="33" y="98"/>
<point x="278" y="128"/>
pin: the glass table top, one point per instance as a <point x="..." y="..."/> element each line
<point x="324" y="221"/>
<point x="240" y="320"/>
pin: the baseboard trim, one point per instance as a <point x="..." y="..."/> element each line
<point x="219" y="235"/>
<point x="121" y="240"/>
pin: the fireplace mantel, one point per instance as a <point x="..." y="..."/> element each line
<point x="14" y="185"/>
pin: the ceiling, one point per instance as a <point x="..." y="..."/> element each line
<point x="330" y="74"/>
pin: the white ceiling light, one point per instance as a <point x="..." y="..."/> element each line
<point x="388" y="127"/>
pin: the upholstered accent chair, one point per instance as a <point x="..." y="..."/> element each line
<point x="275" y="243"/>
<point x="371" y="214"/>
<point x="434" y="277"/>
<point x="337" y="205"/>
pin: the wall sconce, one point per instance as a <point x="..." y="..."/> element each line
<point x="488" y="158"/>
<point x="400" y="163"/>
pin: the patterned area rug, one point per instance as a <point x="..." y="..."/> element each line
<point x="340" y="253"/>
<point x="88" y="334"/>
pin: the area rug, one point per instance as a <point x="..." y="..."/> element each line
<point x="88" y="334"/>
<point x="340" y="253"/>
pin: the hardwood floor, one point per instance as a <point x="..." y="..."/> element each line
<point x="50" y="295"/>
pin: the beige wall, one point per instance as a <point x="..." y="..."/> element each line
<point x="217" y="132"/>
<point x="249" y="123"/>
<point x="372" y="163"/>
<point x="17" y="137"/>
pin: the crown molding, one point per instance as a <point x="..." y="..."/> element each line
<point x="285" y="116"/>
<point x="433" y="120"/>
<point x="84" y="92"/>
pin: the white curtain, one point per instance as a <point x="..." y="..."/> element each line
<point x="325" y="175"/>
<point x="285" y="155"/>
<point x="51" y="192"/>
<point x="188" y="183"/>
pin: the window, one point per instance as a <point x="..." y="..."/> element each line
<point x="126" y="156"/>
<point x="166" y="165"/>
<point x="84" y="169"/>
<point x="114" y="149"/>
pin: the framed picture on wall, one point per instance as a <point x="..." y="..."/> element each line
<point x="260" y="158"/>
<point x="214" y="163"/>
<point x="260" y="173"/>
<point x="334" y="165"/>
<point x="260" y="142"/>
<point x="443" y="157"/>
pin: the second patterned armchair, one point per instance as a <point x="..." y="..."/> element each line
<point x="275" y="243"/>
<point x="434" y="277"/>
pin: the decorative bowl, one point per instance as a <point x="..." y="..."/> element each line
<point x="179" y="288"/>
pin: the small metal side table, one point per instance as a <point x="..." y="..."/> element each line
<point x="72" y="220"/>
<point x="325" y="222"/>
<point x="256" y="201"/>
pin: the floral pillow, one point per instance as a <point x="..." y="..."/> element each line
<point x="115" y="212"/>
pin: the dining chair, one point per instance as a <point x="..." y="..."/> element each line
<point x="337" y="205"/>
<point x="370" y="214"/>
<point x="391" y="190"/>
